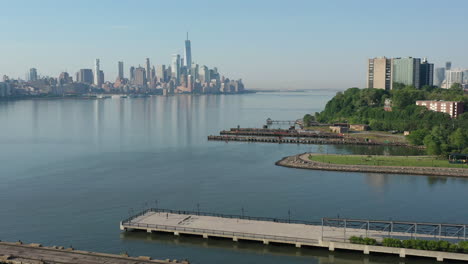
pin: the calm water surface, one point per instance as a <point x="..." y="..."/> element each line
<point x="72" y="169"/>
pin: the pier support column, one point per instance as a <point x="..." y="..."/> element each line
<point x="205" y="235"/>
<point x="176" y="234"/>
<point x="266" y="242"/>
<point x="298" y="245"/>
<point x="331" y="246"/>
<point x="440" y="258"/>
<point x="234" y="239"/>
<point x="402" y="253"/>
<point x="366" y="250"/>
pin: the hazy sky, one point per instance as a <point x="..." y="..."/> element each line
<point x="270" y="44"/>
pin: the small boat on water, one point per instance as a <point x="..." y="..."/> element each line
<point x="123" y="96"/>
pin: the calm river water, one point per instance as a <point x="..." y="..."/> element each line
<point x="70" y="170"/>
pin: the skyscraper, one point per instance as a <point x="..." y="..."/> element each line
<point x="188" y="54"/>
<point x="176" y="68"/>
<point x="132" y="74"/>
<point x="121" y="70"/>
<point x="426" y="75"/>
<point x="148" y="69"/>
<point x="97" y="74"/>
<point x="439" y="76"/>
<point x="161" y="73"/>
<point x="452" y="77"/>
<point x="448" y="65"/>
<point x="379" y="73"/>
<point x="406" y="71"/>
<point x="85" y="76"/>
<point x="140" y="77"/>
<point x="32" y="75"/>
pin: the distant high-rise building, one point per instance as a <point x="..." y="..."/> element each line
<point x="132" y="74"/>
<point x="188" y="54"/>
<point x="448" y="65"/>
<point x="101" y="78"/>
<point x="121" y="70"/>
<point x="148" y="69"/>
<point x="161" y="73"/>
<point x="32" y="75"/>
<point x="176" y="68"/>
<point x="140" y="77"/>
<point x="426" y="73"/>
<point x="204" y="74"/>
<point x="85" y="76"/>
<point x="64" y="78"/>
<point x="406" y="71"/>
<point x="452" y="77"/>
<point x="98" y="81"/>
<point x="379" y="73"/>
<point x="439" y="76"/>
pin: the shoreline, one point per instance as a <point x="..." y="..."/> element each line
<point x="301" y="161"/>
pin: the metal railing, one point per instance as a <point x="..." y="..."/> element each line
<point x="221" y="233"/>
<point x="396" y="229"/>
<point x="245" y="217"/>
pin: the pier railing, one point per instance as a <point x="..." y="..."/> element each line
<point x="245" y="217"/>
<point x="214" y="232"/>
<point x="393" y="229"/>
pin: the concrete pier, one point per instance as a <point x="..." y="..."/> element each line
<point x="267" y="231"/>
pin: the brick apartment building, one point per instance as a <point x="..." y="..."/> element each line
<point x="454" y="109"/>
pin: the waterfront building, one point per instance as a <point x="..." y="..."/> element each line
<point x="148" y="69"/>
<point x="64" y="78"/>
<point x="85" y="76"/>
<point x="121" y="70"/>
<point x="439" y="76"/>
<point x="454" y="109"/>
<point x="97" y="68"/>
<point x="161" y="73"/>
<point x="132" y="74"/>
<point x="32" y="75"/>
<point x="379" y="73"/>
<point x="406" y="71"/>
<point x="452" y="77"/>
<point x="188" y="54"/>
<point x="426" y="73"/>
<point x="101" y="78"/>
<point x="140" y="77"/>
<point x="176" y="68"/>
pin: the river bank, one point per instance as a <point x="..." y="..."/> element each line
<point x="37" y="254"/>
<point x="302" y="161"/>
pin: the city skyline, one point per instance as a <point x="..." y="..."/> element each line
<point x="321" y="38"/>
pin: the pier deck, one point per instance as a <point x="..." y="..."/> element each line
<point x="330" y="233"/>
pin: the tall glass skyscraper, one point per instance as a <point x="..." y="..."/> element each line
<point x="188" y="54"/>
<point x="175" y="68"/>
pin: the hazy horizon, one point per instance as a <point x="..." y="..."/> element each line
<point x="269" y="44"/>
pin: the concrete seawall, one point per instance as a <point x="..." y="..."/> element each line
<point x="16" y="253"/>
<point x="302" y="161"/>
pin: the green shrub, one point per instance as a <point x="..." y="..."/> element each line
<point x="355" y="240"/>
<point x="432" y="245"/>
<point x="453" y="248"/>
<point x="463" y="246"/>
<point x="443" y="245"/>
<point x="392" y="242"/>
<point x="370" y="241"/>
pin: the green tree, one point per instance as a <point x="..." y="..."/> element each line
<point x="417" y="137"/>
<point x="459" y="139"/>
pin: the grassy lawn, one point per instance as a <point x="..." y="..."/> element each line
<point x="412" y="161"/>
